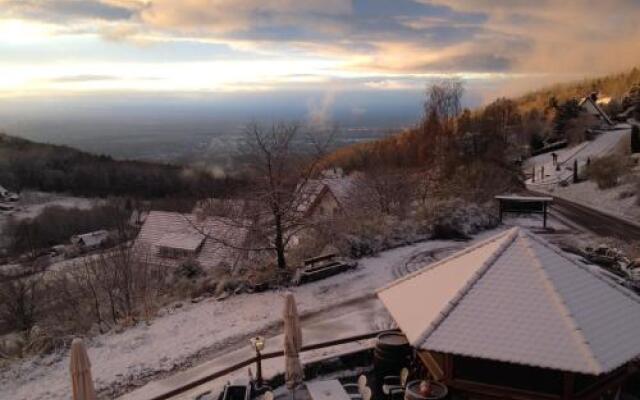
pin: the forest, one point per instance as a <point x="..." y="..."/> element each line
<point x="52" y="168"/>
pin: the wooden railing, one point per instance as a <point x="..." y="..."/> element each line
<point x="264" y="356"/>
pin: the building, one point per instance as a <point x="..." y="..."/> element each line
<point x="593" y="106"/>
<point x="91" y="240"/>
<point x="515" y="317"/>
<point x="327" y="196"/>
<point x="169" y="239"/>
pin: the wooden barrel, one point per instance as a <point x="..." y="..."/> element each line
<point x="391" y="353"/>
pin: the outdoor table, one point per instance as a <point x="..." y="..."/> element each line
<point x="327" y="390"/>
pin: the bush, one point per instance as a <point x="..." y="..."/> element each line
<point x="607" y="171"/>
<point x="189" y="269"/>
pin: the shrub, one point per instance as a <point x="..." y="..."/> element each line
<point x="606" y="171"/>
<point x="189" y="269"/>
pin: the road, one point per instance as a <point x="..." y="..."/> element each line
<point x="594" y="221"/>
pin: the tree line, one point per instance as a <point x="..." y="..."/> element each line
<point x="29" y="165"/>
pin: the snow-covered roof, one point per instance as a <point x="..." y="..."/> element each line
<point x="516" y="298"/>
<point x="592" y="106"/>
<point x="182" y="241"/>
<point x="91" y="238"/>
<point x="341" y="188"/>
<point x="169" y="229"/>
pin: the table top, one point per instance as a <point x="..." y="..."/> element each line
<point x="326" y="390"/>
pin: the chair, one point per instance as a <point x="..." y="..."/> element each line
<point x="268" y="396"/>
<point x="354" y="390"/>
<point x="392" y="385"/>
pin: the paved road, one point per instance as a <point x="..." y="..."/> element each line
<point x="597" y="222"/>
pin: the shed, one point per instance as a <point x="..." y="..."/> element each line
<point x="524" y="205"/>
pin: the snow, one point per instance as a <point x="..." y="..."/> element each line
<point x="180" y="336"/>
<point x="620" y="201"/>
<point x="604" y="144"/>
<point x="32" y="203"/>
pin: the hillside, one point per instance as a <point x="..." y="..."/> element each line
<point x="614" y="86"/>
<point x="52" y="168"/>
<point x="527" y="118"/>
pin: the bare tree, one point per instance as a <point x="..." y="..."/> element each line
<point x="20" y="301"/>
<point x="444" y="99"/>
<point x="281" y="159"/>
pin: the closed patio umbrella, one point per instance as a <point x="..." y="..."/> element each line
<point x="292" y="343"/>
<point x="80" y="368"/>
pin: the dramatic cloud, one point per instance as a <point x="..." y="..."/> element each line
<point x="372" y="43"/>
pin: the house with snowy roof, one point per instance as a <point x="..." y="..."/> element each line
<point x="170" y="238"/>
<point x="592" y="105"/>
<point x="515" y="317"/>
<point x="326" y="196"/>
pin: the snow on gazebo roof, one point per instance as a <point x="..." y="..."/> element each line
<point x="516" y="298"/>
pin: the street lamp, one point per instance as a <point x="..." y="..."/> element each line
<point x="258" y="345"/>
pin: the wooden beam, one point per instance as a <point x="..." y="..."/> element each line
<point x="487" y="391"/>
<point x="432" y="365"/>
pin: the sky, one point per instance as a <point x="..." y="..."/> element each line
<point x="72" y="71"/>
<point x="220" y="46"/>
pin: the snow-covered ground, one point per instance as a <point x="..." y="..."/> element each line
<point x="620" y="200"/>
<point x="183" y="334"/>
<point x="32" y="203"/>
<point x="605" y="143"/>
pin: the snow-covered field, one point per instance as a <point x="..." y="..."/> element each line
<point x="32" y="203"/>
<point x="183" y="335"/>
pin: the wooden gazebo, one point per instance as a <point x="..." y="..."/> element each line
<point x="513" y="317"/>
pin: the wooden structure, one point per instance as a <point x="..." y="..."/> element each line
<point x="524" y="205"/>
<point x="513" y="317"/>
<point x="488" y="379"/>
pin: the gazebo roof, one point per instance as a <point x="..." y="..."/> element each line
<point x="516" y="298"/>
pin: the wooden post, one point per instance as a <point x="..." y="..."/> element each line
<point x="500" y="207"/>
<point x="533" y="174"/>
<point x="568" y="387"/>
<point x="544" y="214"/>
<point x="448" y="368"/>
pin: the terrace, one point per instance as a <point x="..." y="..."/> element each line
<point x="511" y="317"/>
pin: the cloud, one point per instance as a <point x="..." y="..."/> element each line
<point x="83" y="78"/>
<point x="380" y="41"/>
<point x="60" y="11"/>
